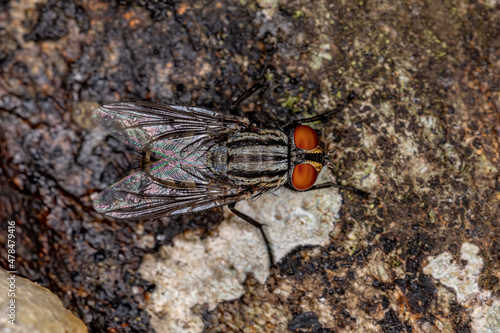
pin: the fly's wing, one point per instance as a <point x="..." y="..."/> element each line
<point x="140" y="196"/>
<point x="178" y="138"/>
<point x="145" y="126"/>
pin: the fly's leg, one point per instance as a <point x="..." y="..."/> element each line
<point x="330" y="184"/>
<point x="321" y="117"/>
<point x="342" y="187"/>
<point x="256" y="86"/>
<point x="258" y="226"/>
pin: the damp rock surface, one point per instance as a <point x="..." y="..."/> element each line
<point x="421" y="136"/>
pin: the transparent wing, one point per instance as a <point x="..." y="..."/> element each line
<point x="139" y="196"/>
<point x="163" y="129"/>
<point x="178" y="179"/>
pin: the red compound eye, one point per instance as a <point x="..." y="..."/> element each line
<point x="305" y="137"/>
<point x="304" y="176"/>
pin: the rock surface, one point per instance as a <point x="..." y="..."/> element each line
<point x="27" y="307"/>
<point x="422" y="136"/>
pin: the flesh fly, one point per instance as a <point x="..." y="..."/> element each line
<point x="197" y="159"/>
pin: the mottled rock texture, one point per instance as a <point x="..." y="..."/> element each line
<point x="422" y="136"/>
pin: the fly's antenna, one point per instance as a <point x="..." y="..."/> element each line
<point x="328" y="162"/>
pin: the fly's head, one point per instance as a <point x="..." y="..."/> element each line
<point x="307" y="157"/>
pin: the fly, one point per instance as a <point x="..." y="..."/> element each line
<point x="197" y="159"/>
